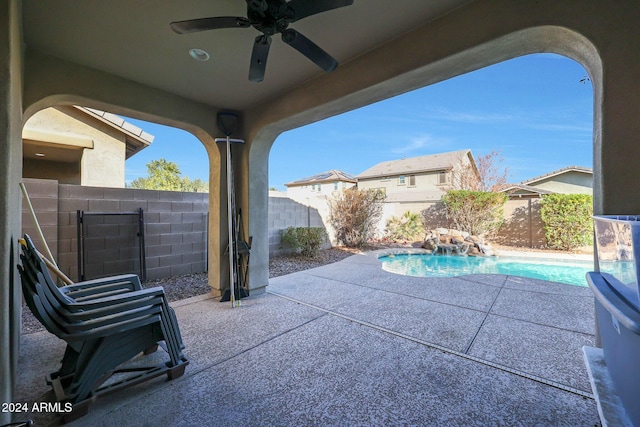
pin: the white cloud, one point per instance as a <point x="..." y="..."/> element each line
<point x="563" y="127"/>
<point x="419" y="142"/>
<point x="468" y="117"/>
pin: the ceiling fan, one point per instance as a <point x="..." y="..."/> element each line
<point x="271" y="17"/>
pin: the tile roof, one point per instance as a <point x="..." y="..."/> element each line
<point x="329" y="176"/>
<point x="513" y="188"/>
<point x="559" y="172"/>
<point x="432" y="162"/>
<point x="136" y="138"/>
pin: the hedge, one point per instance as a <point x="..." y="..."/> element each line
<point x="567" y="220"/>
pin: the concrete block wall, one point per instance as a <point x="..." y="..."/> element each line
<point x="44" y="199"/>
<point x="284" y="213"/>
<point x="175" y="228"/>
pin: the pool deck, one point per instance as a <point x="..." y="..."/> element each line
<point x="547" y="255"/>
<point x="348" y="344"/>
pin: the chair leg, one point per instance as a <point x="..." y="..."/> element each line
<point x="176" y="372"/>
<point x="79" y="410"/>
<point x="150" y="350"/>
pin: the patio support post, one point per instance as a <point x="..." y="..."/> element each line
<point x="218" y="270"/>
<point x="616" y="145"/>
<point x="257" y="200"/>
<point x="617" y="129"/>
<point x="10" y="208"/>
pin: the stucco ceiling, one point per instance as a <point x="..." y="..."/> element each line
<point x="133" y="40"/>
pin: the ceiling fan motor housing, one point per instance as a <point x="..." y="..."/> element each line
<point x="269" y="16"/>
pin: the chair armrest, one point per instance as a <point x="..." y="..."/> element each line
<point x="93" y="323"/>
<point x="127" y="282"/>
<point x="81" y="312"/>
<point x="115" y="304"/>
<point x="106" y="293"/>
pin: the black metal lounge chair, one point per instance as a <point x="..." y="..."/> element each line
<point x="105" y="324"/>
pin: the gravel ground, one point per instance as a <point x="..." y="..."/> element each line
<point x="189" y="285"/>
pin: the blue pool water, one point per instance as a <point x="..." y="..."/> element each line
<point x="424" y="265"/>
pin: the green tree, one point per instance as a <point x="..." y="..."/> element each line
<point x="567" y="220"/>
<point x="408" y="227"/>
<point x="165" y="175"/>
<point x="195" y="186"/>
<point x="476" y="212"/>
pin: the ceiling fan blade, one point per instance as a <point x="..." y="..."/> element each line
<point x="304" y="8"/>
<point x="203" y="24"/>
<point x="259" y="58"/>
<point x="309" y="49"/>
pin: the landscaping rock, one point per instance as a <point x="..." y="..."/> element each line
<point x="451" y="241"/>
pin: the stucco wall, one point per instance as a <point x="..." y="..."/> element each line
<point x="568" y="183"/>
<point x="426" y="181"/>
<point x="102" y="165"/>
<point x="63" y="172"/>
<point x="522" y="224"/>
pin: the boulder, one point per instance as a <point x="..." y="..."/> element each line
<point x="430" y="244"/>
<point x="453" y="241"/>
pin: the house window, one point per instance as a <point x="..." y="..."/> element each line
<point x="335" y="185"/>
<point x="319" y="188"/>
<point x="401" y="180"/>
<point x="443" y="177"/>
<point x="412" y="180"/>
<point x="385" y="179"/>
<point x="313" y="187"/>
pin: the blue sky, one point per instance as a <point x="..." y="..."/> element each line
<point x="533" y="109"/>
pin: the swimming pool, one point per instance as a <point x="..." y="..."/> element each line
<point x="425" y="265"/>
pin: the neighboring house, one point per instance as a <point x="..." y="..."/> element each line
<point x="78" y="145"/>
<point x="322" y="184"/>
<point x="314" y="193"/>
<point x="416" y="183"/>
<point x="416" y="179"/>
<point x="569" y="180"/>
<point x="523" y="225"/>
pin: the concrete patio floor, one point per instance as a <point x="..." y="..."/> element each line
<point x="349" y="344"/>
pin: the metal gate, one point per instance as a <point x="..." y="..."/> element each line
<point x="110" y="243"/>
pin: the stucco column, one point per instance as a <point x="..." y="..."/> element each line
<point x="256" y="171"/>
<point x="10" y="211"/>
<point x="251" y="192"/>
<point x="616" y="125"/>
<point x="218" y="273"/>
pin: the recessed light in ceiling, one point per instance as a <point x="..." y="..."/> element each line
<point x="199" y="54"/>
<point x="39" y="154"/>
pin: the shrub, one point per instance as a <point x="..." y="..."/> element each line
<point x="304" y="240"/>
<point x="354" y="214"/>
<point x="408" y="227"/>
<point x="476" y="212"/>
<point x="566" y="219"/>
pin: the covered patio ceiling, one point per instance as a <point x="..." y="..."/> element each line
<point x="133" y="40"/>
<point x="121" y="56"/>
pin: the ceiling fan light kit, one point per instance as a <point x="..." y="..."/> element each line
<point x="199" y="54"/>
<point x="271" y="17"/>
